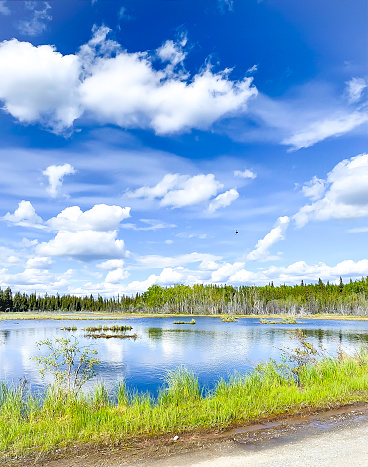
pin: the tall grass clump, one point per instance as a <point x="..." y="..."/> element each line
<point x="181" y="385"/>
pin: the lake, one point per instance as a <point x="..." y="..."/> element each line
<point x="210" y="348"/>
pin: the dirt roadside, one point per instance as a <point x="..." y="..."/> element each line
<point x="336" y="437"/>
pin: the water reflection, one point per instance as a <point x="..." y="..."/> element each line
<point x="4" y="336"/>
<point x="210" y="348"/>
<point x="155" y="333"/>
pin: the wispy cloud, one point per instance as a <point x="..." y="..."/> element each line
<point x="261" y="251"/>
<point x="192" y="235"/>
<point x="151" y="224"/>
<point x="35" y="25"/>
<point x="326" y="114"/>
<point x="326" y="128"/>
<point x="157" y="261"/>
<point x="354" y="89"/>
<point x="223" y="200"/>
<point x="252" y="69"/>
<point x="245" y="174"/>
<point x="225" y="5"/>
<point x="4" y="9"/>
<point x="178" y="191"/>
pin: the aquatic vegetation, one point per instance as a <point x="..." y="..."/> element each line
<point x="117" y="328"/>
<point x="114" y="328"/>
<point x="267" y="321"/>
<point x="288" y="320"/>
<point x="119" y="332"/>
<point x="185" y="322"/>
<point x="111" y="336"/>
<point x="93" y="328"/>
<point x="228" y="319"/>
<point x="68" y="328"/>
<point x="284" y="320"/>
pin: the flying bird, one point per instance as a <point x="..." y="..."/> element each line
<point x="236" y="232"/>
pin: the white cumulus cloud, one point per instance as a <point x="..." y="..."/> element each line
<point x="25" y="216"/>
<point x="86" y="245"/>
<point x="116" y="276"/>
<point x="48" y="92"/>
<point x="301" y="270"/>
<point x="346" y="195"/>
<point x="225" y="271"/>
<point x="86" y="235"/>
<point x="314" y="189"/>
<point x="39" y="262"/>
<point x="115" y="87"/>
<point x="194" y="190"/>
<point x="111" y="264"/>
<point x="82" y="235"/>
<point x="208" y="265"/>
<point x="100" y="217"/>
<point x="55" y="174"/>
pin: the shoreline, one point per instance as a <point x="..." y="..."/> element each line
<point x="77" y="316"/>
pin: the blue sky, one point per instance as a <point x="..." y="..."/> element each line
<point x="137" y="137"/>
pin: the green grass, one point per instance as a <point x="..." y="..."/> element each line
<point x="32" y="424"/>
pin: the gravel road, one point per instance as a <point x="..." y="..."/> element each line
<point x="335" y="441"/>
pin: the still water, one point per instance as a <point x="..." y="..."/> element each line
<point x="210" y="348"/>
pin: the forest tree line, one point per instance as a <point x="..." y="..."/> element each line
<point x="345" y="299"/>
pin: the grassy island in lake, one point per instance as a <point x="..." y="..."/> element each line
<point x="185" y="322"/>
